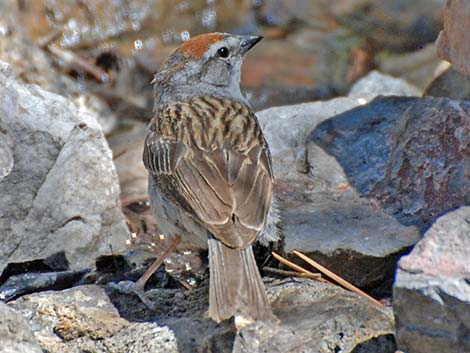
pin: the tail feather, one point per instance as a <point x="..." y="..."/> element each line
<point x="236" y="286"/>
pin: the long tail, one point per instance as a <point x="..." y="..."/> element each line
<point x="236" y="286"/>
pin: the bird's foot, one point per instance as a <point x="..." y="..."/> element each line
<point x="129" y="287"/>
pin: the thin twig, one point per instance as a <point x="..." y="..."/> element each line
<point x="44" y="41"/>
<point x="335" y="277"/>
<point x="279" y="272"/>
<point x="119" y="154"/>
<point x="183" y="283"/>
<point x="296" y="267"/>
<point x="145" y="277"/>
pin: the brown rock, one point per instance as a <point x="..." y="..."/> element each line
<point x="453" y="43"/>
<point x="428" y="171"/>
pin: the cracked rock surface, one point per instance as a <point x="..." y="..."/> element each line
<point x="432" y="290"/>
<point x="60" y="192"/>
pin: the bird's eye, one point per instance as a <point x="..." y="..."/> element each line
<point x="223" y="52"/>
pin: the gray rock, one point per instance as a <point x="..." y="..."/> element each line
<point x="432" y="291"/>
<point x="62" y="193"/>
<point x="376" y="83"/>
<point x="83" y="319"/>
<point x="15" y="334"/>
<point x="317" y="317"/>
<point x="451" y="84"/>
<point x="313" y="317"/>
<point x="350" y="236"/>
<point x="6" y="154"/>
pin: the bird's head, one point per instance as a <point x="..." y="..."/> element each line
<point x="206" y="64"/>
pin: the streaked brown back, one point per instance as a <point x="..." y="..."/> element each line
<point x="209" y="156"/>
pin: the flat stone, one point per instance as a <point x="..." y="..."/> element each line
<point x="62" y="193"/>
<point x="349" y="236"/>
<point x="431" y="295"/>
<point x="15" y="333"/>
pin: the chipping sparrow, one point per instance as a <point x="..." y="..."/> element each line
<point x="210" y="175"/>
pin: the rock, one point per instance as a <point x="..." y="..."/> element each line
<point x="18" y="285"/>
<point x="349" y="236"/>
<point x="453" y="43"/>
<point x="410" y="154"/>
<point x="62" y="193"/>
<point x="322" y="214"/>
<point x="83" y="319"/>
<point x="451" y="84"/>
<point x="432" y="291"/>
<point x="92" y="105"/>
<point x="326" y="318"/>
<point x="418" y="67"/>
<point x="283" y="13"/>
<point x="376" y="83"/>
<point x="286" y="128"/>
<point x="15" y="333"/>
<point x="362" y="139"/>
<point x="264" y="97"/>
<point x="428" y="171"/>
<point x="394" y="25"/>
<point x="307" y="326"/>
<point x="6" y="154"/>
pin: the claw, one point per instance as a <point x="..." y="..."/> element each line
<point x="137" y="288"/>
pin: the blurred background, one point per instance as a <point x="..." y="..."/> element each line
<point x="313" y="49"/>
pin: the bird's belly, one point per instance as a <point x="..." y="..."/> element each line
<point x="171" y="221"/>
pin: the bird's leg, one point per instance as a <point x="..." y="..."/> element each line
<point x="138" y="287"/>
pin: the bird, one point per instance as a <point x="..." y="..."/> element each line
<point x="210" y="171"/>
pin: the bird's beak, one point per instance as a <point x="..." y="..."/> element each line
<point x="249" y="42"/>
